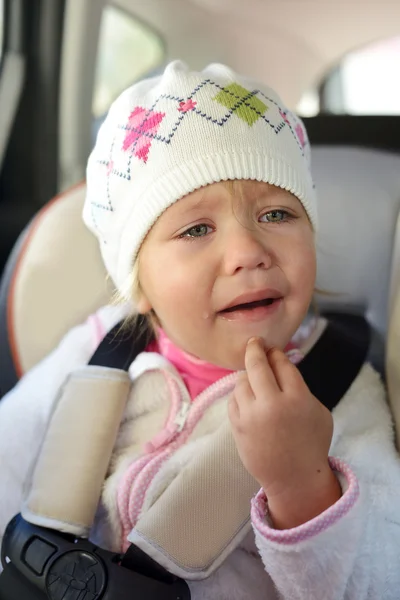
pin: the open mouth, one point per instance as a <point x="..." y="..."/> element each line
<point x="251" y="305"/>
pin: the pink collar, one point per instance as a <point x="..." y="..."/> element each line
<point x="196" y="373"/>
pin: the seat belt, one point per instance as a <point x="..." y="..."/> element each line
<point x="328" y="369"/>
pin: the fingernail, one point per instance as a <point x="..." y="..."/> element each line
<point x="253" y="339"/>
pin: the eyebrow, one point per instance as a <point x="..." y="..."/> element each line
<point x="213" y="199"/>
<point x="201" y="202"/>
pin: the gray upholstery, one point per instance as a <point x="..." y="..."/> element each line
<point x="359" y="199"/>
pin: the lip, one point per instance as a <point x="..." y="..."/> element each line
<point x="260" y="313"/>
<point x="252" y="297"/>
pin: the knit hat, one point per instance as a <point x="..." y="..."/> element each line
<point x="170" y="135"/>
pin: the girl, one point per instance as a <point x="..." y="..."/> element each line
<point x="200" y="193"/>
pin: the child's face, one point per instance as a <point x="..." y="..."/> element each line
<point x="214" y="249"/>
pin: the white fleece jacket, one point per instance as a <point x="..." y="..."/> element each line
<point x="352" y="551"/>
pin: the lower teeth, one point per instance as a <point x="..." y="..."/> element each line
<point x="252" y="305"/>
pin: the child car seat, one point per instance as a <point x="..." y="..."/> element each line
<point x="55" y="277"/>
<point x="55" y="564"/>
<point x="344" y="231"/>
<point x="35" y="314"/>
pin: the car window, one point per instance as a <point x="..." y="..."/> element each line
<point x="1" y="28"/>
<point x="128" y="50"/>
<point x="364" y="83"/>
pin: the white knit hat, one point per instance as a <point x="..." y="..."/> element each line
<point x="168" y="136"/>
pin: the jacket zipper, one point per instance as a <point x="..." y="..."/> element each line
<point x="162" y="453"/>
<point x="182" y="415"/>
<point x="188" y="404"/>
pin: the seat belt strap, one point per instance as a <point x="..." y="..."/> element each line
<point x="66" y="482"/>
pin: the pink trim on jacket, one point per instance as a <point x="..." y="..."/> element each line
<point x="205" y="383"/>
<point x="135" y="482"/>
<point x="259" y="511"/>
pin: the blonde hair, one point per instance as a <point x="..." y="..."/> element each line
<point x="131" y="291"/>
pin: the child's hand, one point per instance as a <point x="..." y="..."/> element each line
<point x="283" y="434"/>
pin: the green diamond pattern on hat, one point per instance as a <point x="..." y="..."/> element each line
<point x="244" y="103"/>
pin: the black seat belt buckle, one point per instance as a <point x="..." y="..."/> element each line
<point x="41" y="564"/>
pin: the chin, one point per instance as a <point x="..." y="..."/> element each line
<point x="233" y="362"/>
<point x="236" y="361"/>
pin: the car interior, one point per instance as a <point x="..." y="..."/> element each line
<point x="63" y="62"/>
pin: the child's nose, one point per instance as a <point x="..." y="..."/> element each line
<point x="243" y="249"/>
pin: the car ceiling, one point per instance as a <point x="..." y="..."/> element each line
<point x="289" y="44"/>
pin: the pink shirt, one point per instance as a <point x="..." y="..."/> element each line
<point x="196" y="373"/>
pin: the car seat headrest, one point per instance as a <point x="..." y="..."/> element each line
<point x="54" y="279"/>
<point x="358" y="202"/>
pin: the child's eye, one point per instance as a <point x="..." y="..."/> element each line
<point x="199" y="230"/>
<point x="275" y="216"/>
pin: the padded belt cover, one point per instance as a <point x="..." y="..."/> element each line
<point x="203" y="514"/>
<point x="66" y="482"/>
<point x="209" y="500"/>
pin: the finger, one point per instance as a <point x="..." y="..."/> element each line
<point x="241" y="395"/>
<point x="260" y="374"/>
<point x="286" y="374"/>
<point x="243" y="392"/>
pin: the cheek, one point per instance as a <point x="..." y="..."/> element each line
<point x="174" y="287"/>
<point x="303" y="267"/>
